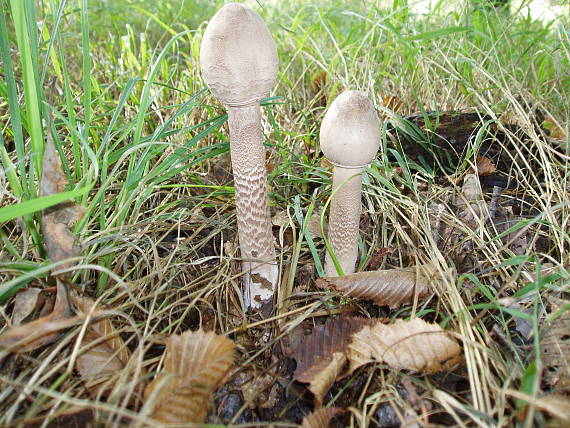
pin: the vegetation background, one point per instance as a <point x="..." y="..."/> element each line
<point x="116" y="85"/>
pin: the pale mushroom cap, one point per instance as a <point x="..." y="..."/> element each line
<point x="238" y="57"/>
<point x="350" y="131"/>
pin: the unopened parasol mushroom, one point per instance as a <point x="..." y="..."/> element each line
<point x="239" y="64"/>
<point x="350" y="138"/>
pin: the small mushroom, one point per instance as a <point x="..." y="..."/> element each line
<point x="350" y="138"/>
<point x="238" y="59"/>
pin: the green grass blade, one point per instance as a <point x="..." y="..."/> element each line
<point x="34" y="205"/>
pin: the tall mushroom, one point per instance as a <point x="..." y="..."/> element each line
<point x="238" y="59"/>
<point x="350" y="138"/>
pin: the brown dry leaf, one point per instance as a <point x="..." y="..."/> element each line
<point x="485" y="166"/>
<point x="391" y="287"/>
<point x="321" y="356"/>
<point x="25" y="304"/>
<point x="322" y="376"/>
<point x="196" y="364"/>
<point x="320" y="418"/>
<point x="58" y="220"/>
<point x="412" y="345"/>
<point x="103" y="353"/>
<point x="43" y="331"/>
<point x="319" y="347"/>
<point x="555" y="348"/>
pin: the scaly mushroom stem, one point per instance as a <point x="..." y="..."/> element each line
<point x="254" y="222"/>
<point x="345" y="216"/>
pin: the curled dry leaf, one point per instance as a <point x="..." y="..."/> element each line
<point x="102" y="355"/>
<point x="485" y="166"/>
<point x="412" y="345"/>
<point x="321" y="356"/>
<point x="555" y="348"/>
<point x="57" y="221"/>
<point x="321" y="418"/>
<point x="196" y="363"/>
<point x="392" y="287"/>
<point x="322" y="376"/>
<point x="25" y="304"/>
<point x="43" y="331"/>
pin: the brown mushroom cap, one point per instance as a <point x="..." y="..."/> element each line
<point x="238" y="57"/>
<point x="350" y="131"/>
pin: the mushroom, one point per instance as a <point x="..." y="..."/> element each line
<point x="350" y="138"/>
<point x="238" y="59"/>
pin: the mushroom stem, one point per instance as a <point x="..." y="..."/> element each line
<point x="252" y="204"/>
<point x="345" y="216"/>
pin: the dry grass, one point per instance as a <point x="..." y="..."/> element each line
<point x="161" y="255"/>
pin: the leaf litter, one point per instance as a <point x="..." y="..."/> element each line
<point x="102" y="355"/>
<point x="42" y="331"/>
<point x="413" y="345"/>
<point x="60" y="245"/>
<point x="321" y="356"/>
<point x="195" y="364"/>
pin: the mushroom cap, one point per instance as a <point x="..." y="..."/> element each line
<point x="350" y="131"/>
<point x="238" y="57"/>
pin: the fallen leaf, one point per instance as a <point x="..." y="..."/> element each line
<point x="196" y="363"/>
<point x="25" y="304"/>
<point x="43" y="331"/>
<point x="321" y="418"/>
<point x="485" y="166"/>
<point x="103" y="354"/>
<point x="321" y="356"/>
<point x="322" y="376"/>
<point x="411" y="345"/>
<point x="58" y="220"/>
<point x="333" y="336"/>
<point x="391" y="287"/>
<point x="555" y="348"/>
